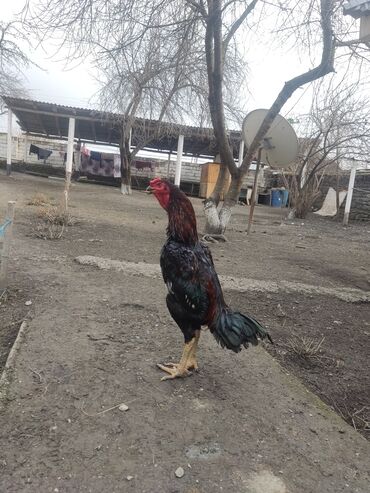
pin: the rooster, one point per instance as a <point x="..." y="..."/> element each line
<point x="195" y="297"/>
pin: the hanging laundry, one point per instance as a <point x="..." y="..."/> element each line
<point x="65" y="158"/>
<point x="96" y="156"/>
<point x="40" y="152"/>
<point x="34" y="149"/>
<point x="141" y="165"/>
<point x="85" y="150"/>
<point x="117" y="166"/>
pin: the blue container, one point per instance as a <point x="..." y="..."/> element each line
<point x="275" y="198"/>
<point x="284" y="197"/>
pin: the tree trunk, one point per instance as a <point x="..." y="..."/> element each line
<point x="218" y="220"/>
<point x="126" y="177"/>
<point x="215" y="48"/>
<point x="125" y="165"/>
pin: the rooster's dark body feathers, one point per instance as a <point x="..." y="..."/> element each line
<point x="195" y="296"/>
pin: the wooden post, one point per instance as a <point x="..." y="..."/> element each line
<point x="5" y="239"/>
<point x="69" y="162"/>
<point x="254" y="193"/>
<point x="180" y="146"/>
<point x="351" y="183"/>
<point x="9" y="143"/>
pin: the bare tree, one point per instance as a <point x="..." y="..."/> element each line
<point x="222" y="21"/>
<point x="12" y="60"/>
<point x="337" y="130"/>
<point x="149" y="58"/>
<point x="131" y="33"/>
<point x="154" y="78"/>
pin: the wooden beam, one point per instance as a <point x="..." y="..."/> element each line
<point x="93" y="129"/>
<point x="110" y="134"/>
<point x="61" y="115"/>
<point x="41" y="122"/>
<point x="57" y="121"/>
<point x="77" y="130"/>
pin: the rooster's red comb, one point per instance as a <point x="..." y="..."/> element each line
<point x="155" y="181"/>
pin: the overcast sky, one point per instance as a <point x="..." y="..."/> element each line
<point x="76" y="87"/>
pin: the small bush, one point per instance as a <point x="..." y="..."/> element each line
<point x="52" y="222"/>
<point x="56" y="215"/>
<point x="48" y="231"/>
<point x="304" y="347"/>
<point x="39" y="199"/>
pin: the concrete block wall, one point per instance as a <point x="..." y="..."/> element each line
<point x="189" y="171"/>
<point x="21" y="145"/>
<point x="3" y="146"/>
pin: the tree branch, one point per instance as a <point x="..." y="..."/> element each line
<point x="237" y="24"/>
<point x="325" y="66"/>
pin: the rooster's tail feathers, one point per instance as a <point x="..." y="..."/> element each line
<point x="234" y="330"/>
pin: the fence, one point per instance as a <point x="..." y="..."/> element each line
<point x="6" y="232"/>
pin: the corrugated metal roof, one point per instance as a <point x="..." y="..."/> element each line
<point x="357" y="8"/>
<point x="51" y="120"/>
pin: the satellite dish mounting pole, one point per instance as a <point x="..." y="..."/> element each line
<point x="254" y="192"/>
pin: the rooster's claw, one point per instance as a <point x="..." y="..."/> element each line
<point x="174" y="371"/>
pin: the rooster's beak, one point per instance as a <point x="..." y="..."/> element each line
<point x="149" y="190"/>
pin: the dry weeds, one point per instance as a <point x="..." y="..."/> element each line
<point x="39" y="200"/>
<point x="56" y="216"/>
<point x="304" y="347"/>
<point x="52" y="222"/>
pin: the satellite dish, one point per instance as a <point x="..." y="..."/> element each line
<point x="280" y="144"/>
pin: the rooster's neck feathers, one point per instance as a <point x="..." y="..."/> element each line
<point x="182" y="225"/>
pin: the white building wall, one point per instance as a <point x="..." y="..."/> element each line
<point x="21" y="147"/>
<point x="190" y="171"/>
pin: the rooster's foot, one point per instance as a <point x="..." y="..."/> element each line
<point x="174" y="371"/>
<point x="188" y="361"/>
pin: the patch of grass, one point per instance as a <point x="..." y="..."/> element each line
<point x="304" y="347"/>
<point x="52" y="222"/>
<point x="3" y="296"/>
<point x="39" y="199"/>
<point x="56" y="216"/>
<point x="358" y="418"/>
<point x="48" y="231"/>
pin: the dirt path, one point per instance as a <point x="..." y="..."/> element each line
<point x="241" y="425"/>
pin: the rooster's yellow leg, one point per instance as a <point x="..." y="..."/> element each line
<point x="192" y="362"/>
<point x="187" y="362"/>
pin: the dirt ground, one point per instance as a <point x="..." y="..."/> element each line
<point x="94" y="338"/>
